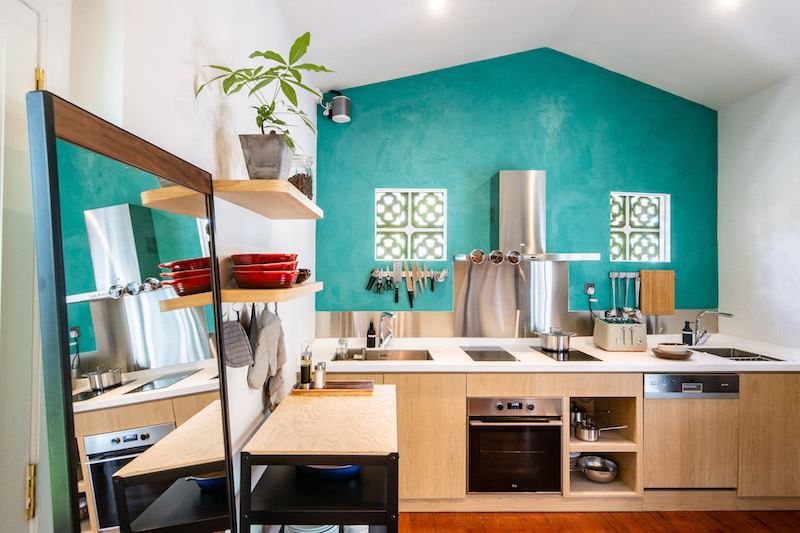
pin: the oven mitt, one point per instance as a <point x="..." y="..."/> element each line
<point x="238" y="352"/>
<point x="270" y="353"/>
<point x="274" y="390"/>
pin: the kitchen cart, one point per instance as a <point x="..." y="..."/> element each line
<point x="324" y="430"/>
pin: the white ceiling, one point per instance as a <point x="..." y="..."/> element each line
<point x="714" y="52"/>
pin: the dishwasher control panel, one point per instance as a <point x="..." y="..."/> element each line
<point x="687" y="386"/>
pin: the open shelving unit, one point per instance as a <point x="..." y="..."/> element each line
<point x="273" y="199"/>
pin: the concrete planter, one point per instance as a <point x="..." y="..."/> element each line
<point x="267" y="156"/>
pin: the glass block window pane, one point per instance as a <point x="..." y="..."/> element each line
<point x="410" y="224"/>
<point x="640" y="227"/>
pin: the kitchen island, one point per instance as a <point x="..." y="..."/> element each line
<point x="432" y="423"/>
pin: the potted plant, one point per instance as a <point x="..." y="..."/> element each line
<point x="268" y="156"/>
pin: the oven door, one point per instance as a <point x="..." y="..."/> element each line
<point x="507" y="455"/>
<point x="139" y="497"/>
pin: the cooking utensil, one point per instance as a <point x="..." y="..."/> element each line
<point x="372" y="276"/>
<point x="104" y="377"/>
<point x="591" y="432"/>
<point x="407" y="275"/>
<point x="613" y="311"/>
<point x="419" y="277"/>
<point x="425" y="275"/>
<point x="637" y="282"/>
<point x="251" y="259"/>
<point x="556" y="340"/>
<point x="396" y="280"/>
<point x="598" y="469"/>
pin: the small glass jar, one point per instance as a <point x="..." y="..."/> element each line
<point x="305" y="366"/>
<point x="301" y="174"/>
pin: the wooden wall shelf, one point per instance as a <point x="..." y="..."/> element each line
<point x="274" y="199"/>
<point x="244" y="295"/>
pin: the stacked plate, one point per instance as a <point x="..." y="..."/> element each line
<point x="188" y="276"/>
<point x="265" y="271"/>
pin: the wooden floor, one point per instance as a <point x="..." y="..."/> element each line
<point x="683" y="521"/>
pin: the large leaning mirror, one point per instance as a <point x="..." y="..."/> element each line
<point x="130" y="315"/>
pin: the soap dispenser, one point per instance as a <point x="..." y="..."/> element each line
<point x="371" y="336"/>
<point x="687" y="333"/>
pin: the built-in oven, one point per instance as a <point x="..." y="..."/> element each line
<point x="514" y="444"/>
<point x="108" y="452"/>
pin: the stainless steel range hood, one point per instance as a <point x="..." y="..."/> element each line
<point x="507" y="300"/>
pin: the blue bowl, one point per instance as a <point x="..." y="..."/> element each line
<point x="328" y="472"/>
<point x="209" y="482"/>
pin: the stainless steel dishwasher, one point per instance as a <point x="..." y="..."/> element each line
<point x="691" y="425"/>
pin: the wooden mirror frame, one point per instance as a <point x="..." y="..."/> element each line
<point x="51" y="119"/>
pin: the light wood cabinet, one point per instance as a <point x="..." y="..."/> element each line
<point x="769" y="436"/>
<point x="432" y="439"/>
<point x="185" y="407"/>
<point x="691" y="443"/>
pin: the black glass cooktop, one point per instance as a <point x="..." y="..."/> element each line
<point x="571" y="355"/>
<point x="163" y="381"/>
<point x="488" y="353"/>
<point x="89" y="394"/>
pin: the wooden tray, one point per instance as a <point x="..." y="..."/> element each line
<point x="338" y="388"/>
<point x="674" y="356"/>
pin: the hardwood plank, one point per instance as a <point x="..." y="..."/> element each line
<point x="563" y="522"/>
<point x="494" y="522"/>
<point x="609" y="523"/>
<point x="274" y="199"/>
<point x="540" y="522"/>
<point x="587" y="523"/>
<point x="404" y="523"/>
<point x="517" y="523"/>
<point x="471" y="523"/>
<point x="446" y="522"/>
<point x="422" y="523"/>
<point x="657" y="293"/>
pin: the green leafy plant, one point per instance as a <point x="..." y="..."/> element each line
<point x="284" y="74"/>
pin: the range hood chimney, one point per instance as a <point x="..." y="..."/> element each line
<point x="518" y="211"/>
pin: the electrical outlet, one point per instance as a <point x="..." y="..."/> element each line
<point x="588" y="289"/>
<point x="74" y="332"/>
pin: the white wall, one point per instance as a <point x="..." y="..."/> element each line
<point x="759" y="214"/>
<point x="165" y="46"/>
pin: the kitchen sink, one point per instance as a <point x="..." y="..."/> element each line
<point x="380" y="354"/>
<point x="735" y="354"/>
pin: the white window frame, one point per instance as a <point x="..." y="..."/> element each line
<point x="664" y="231"/>
<point x="410" y="228"/>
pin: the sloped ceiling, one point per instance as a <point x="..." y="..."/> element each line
<point x="713" y="52"/>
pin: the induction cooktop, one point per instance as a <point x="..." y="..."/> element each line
<point x="163" y="381"/>
<point x="488" y="353"/>
<point x="571" y="355"/>
<point x="89" y="394"/>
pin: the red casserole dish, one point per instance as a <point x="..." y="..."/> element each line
<point x="180" y="274"/>
<point x="190" y="285"/>
<point x="266" y="279"/>
<point x="286" y="265"/>
<point x="187" y="264"/>
<point x="254" y="259"/>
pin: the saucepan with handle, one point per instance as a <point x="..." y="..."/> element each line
<point x="591" y="432"/>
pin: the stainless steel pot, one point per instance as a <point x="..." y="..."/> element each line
<point x="598" y="469"/>
<point x="104" y="377"/>
<point x="591" y="432"/>
<point x="556" y="340"/>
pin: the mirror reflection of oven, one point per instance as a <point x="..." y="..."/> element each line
<point x="514" y="444"/>
<point x="107" y="453"/>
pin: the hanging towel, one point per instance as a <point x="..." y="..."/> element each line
<point x="270" y="354"/>
<point x="238" y="352"/>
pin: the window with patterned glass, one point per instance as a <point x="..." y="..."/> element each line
<point x="640" y="227"/>
<point x="410" y="224"/>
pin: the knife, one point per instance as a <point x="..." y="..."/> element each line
<point x="396" y="280"/>
<point x="425" y="275"/>
<point x="407" y="275"/>
<point x="419" y="278"/>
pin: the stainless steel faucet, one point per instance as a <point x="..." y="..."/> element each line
<point x="700" y="338"/>
<point x="385" y="332"/>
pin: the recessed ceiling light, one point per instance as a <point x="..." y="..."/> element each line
<point x="437" y="7"/>
<point x="730" y="6"/>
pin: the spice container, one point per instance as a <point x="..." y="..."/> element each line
<point x="305" y="366"/>
<point x="319" y="376"/>
<point x="302" y="175"/>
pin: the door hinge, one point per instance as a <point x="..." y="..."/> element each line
<point x="30" y="492"/>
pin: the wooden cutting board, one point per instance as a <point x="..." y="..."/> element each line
<point x="657" y="293"/>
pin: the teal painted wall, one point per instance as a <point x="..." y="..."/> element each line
<point x="592" y="130"/>
<point x="90" y="181"/>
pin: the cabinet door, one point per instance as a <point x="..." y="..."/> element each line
<point x="769" y="441"/>
<point x="185" y="407"/>
<point x="690" y="443"/>
<point x="432" y="434"/>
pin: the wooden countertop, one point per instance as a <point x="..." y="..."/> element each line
<point x="196" y="442"/>
<point x="330" y="425"/>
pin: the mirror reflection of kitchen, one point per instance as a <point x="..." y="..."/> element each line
<point x="138" y="371"/>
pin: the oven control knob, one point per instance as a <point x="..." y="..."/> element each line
<point x="115" y="440"/>
<point x="499" y="406"/>
<point x="530" y="407"/>
<point x="144" y="436"/>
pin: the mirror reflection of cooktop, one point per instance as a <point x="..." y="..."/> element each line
<point x="488" y="353"/>
<point x="163" y="381"/>
<point x="89" y="394"/>
<point x="571" y="355"/>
